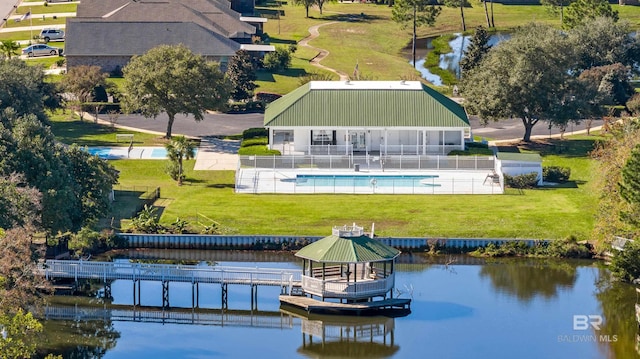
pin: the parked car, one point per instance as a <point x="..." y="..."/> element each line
<point x="41" y="50"/>
<point x="51" y="34"/>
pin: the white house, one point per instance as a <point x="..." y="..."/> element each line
<point x="366" y="117"/>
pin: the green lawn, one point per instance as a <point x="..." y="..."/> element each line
<point x="541" y="213"/>
<point x="37" y="20"/>
<point x="86" y="133"/>
<point x="49" y="9"/>
<point x="379" y="46"/>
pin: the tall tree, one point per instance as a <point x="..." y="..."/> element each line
<point x="306" y="3"/>
<point x="475" y="52"/>
<point x="417" y="13"/>
<point x="321" y="3"/>
<point x="459" y="4"/>
<point x="9" y="48"/>
<point x="556" y="6"/>
<point x="524" y="77"/>
<point x="241" y="73"/>
<point x="603" y="41"/>
<point x="174" y="80"/>
<point x="20" y="204"/>
<point x="22" y="87"/>
<point x="178" y="150"/>
<point x="583" y="10"/>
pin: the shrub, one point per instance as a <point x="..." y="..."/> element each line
<point x="633" y="105"/>
<point x="256" y="141"/>
<point x="267" y="97"/>
<point x="556" y="174"/>
<point x="529" y="180"/>
<point x="257" y="151"/>
<point x="625" y="265"/>
<point x="255" y="132"/>
<point x="278" y="60"/>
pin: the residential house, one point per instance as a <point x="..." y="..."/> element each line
<point x="109" y="33"/>
<point x="366" y="117"/>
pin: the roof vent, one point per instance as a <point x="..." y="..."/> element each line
<point x="402" y="82"/>
<point x="347" y="82"/>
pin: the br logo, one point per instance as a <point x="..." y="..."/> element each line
<point x="583" y="322"/>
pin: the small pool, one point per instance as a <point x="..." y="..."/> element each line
<point x="367" y="180"/>
<point x="100" y="152"/>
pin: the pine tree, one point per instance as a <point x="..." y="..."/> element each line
<point x="478" y="47"/>
<point x="241" y="72"/>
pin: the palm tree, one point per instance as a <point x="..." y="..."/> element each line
<point x="179" y="149"/>
<point x="9" y="48"/>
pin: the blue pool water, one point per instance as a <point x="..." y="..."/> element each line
<point x="100" y="152"/>
<point x="367" y="180"/>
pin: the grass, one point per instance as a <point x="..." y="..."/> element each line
<point x="380" y="46"/>
<point x="542" y="213"/>
<point x="41" y="9"/>
<point x="38" y="21"/>
<point x="70" y="130"/>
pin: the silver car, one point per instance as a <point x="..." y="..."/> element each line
<point x="52" y="34"/>
<point x="40" y="50"/>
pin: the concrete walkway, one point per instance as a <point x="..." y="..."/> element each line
<point x="322" y="53"/>
<point x="215" y="154"/>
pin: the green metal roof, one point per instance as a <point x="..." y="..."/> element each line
<point x="516" y="156"/>
<point x="365" y="106"/>
<point x="334" y="249"/>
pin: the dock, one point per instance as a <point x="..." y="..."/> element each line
<point x="314" y="306"/>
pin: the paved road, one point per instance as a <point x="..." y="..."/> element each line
<point x="212" y="125"/>
<point x="6" y="8"/>
<point x="227" y="124"/>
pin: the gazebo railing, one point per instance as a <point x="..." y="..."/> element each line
<point x="344" y="289"/>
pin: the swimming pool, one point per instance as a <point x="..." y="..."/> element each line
<point x="367" y="180"/>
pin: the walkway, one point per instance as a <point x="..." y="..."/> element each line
<point x="313" y="30"/>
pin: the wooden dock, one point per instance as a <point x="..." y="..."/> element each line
<point x="314" y="306"/>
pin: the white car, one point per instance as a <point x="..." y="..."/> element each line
<point x="41" y="50"/>
<point x="51" y="34"/>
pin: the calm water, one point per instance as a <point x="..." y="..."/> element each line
<point x="464" y="309"/>
<point x="366" y="180"/>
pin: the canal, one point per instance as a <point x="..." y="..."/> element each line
<point x="463" y="307"/>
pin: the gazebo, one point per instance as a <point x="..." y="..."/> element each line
<point x="348" y="265"/>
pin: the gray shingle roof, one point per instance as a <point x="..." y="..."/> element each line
<point x="212" y="14"/>
<point x="99" y="38"/>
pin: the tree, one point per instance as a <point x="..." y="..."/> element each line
<point x="633" y="105"/>
<point x="525" y="77"/>
<point x="277" y="60"/>
<point x="241" y="73"/>
<point x="459" y="4"/>
<point x="554" y="5"/>
<point x="20" y="204"/>
<point x="20" y="330"/>
<point x="74" y="185"/>
<point x="321" y="3"/>
<point x="179" y="149"/>
<point x="306" y="3"/>
<point x="174" y="80"/>
<point x="611" y="156"/>
<point x="583" y="10"/>
<point x="82" y="81"/>
<point x="9" y="48"/>
<point x="625" y="265"/>
<point x="415" y="12"/>
<point x="629" y="187"/>
<point x="23" y="88"/>
<point x="603" y="41"/>
<point x="475" y="52"/>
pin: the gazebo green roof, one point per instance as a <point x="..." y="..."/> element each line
<point x="365" y="104"/>
<point x="360" y="249"/>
